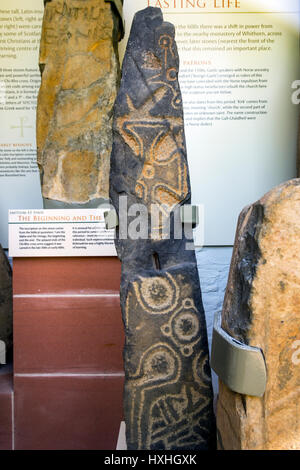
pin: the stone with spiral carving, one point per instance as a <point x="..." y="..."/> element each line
<point x="168" y="393"/>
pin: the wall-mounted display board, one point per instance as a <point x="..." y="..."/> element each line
<point x="20" y="30"/>
<point x="238" y="62"/>
<point x="59" y="232"/>
<point x="239" y="59"/>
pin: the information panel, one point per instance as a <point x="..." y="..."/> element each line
<point x="238" y="60"/>
<point x="73" y="232"/>
<point x="20" y="31"/>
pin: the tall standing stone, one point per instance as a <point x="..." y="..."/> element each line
<point x="168" y="393"/>
<point x="6" y="310"/>
<point x="80" y="73"/>
<point x="262" y="309"/>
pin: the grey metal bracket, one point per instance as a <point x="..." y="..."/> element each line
<point x="111" y="219"/>
<point x="2" y="352"/>
<point x="189" y="215"/>
<point x="118" y="4"/>
<point x="242" y="368"/>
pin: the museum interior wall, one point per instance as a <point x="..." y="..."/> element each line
<point x="178" y="106"/>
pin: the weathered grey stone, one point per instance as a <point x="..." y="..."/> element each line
<point x="6" y="314"/>
<point x="80" y="73"/>
<point x="262" y="309"/>
<point x="168" y="393"/>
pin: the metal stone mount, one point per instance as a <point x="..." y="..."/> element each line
<point x="111" y="219"/>
<point x="188" y="215"/>
<point x="242" y="368"/>
<point x="118" y="4"/>
<point x="2" y="352"/>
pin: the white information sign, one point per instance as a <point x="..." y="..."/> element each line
<point x="20" y="32"/>
<point x="238" y="61"/>
<point x="73" y="232"/>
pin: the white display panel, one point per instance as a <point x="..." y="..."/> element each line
<point x="238" y="64"/>
<point x="59" y="232"/>
<point x="20" y="30"/>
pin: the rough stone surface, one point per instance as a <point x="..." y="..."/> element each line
<point x="6" y="314"/>
<point x="262" y="309"/>
<point x="80" y="70"/>
<point x="168" y="393"/>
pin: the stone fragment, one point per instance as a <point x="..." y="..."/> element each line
<point x="168" y="392"/>
<point x="80" y="74"/>
<point x="6" y="313"/>
<point x="262" y="309"/>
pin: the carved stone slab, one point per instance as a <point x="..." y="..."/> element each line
<point x="6" y="310"/>
<point x="262" y="309"/>
<point x="168" y="393"/>
<point x="79" y="65"/>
